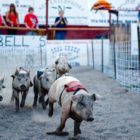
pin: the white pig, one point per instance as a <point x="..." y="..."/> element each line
<point x="75" y="100"/>
<point x="20" y="84"/>
<point x="62" y="66"/>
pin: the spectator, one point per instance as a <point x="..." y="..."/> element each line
<point x="60" y="22"/>
<point x="31" y="21"/>
<point x="2" y="22"/>
<point x="12" y="19"/>
<point x="139" y="17"/>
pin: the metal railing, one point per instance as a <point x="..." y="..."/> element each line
<point x="122" y="65"/>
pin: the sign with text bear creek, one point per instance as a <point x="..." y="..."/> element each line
<point x="22" y="8"/>
<point x="75" y="51"/>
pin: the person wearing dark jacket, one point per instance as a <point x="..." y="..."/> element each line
<point x="60" y="22"/>
<point x="139" y="17"/>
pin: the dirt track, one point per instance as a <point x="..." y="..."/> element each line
<point x="117" y="115"/>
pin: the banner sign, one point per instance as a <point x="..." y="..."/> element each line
<point x="101" y="17"/>
<point x="37" y="51"/>
<point x="74" y="51"/>
<point x="17" y="51"/>
<point x="76" y="11"/>
<point x="22" y="8"/>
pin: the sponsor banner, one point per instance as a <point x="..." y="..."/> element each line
<point x="37" y="51"/>
<point x="9" y="41"/>
<point x="74" y="50"/>
<point x="101" y="18"/>
<point x="134" y="39"/>
<point x="22" y="8"/>
<point x="26" y="51"/>
<point x="76" y="11"/>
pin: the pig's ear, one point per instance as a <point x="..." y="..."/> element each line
<point x="2" y="80"/>
<point x="13" y="76"/>
<point x="77" y="98"/>
<point x="69" y="66"/>
<point x="56" y="62"/>
<point x="95" y="97"/>
<point x="17" y="72"/>
<point x="53" y="69"/>
<point x="3" y="86"/>
<point x="28" y="73"/>
<point x="40" y="77"/>
<point x="31" y="84"/>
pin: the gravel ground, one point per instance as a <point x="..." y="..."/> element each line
<point x="117" y="114"/>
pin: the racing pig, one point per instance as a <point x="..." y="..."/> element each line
<point x="1" y="87"/>
<point x="20" y="84"/>
<point x="62" y="66"/>
<point x="42" y="83"/>
<point x="75" y="102"/>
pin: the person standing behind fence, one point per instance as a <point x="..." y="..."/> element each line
<point x="12" y="19"/>
<point x="139" y="17"/>
<point x="31" y="21"/>
<point x="2" y="22"/>
<point x="60" y="22"/>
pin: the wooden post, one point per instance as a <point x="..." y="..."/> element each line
<point x="139" y="45"/>
<point x="102" y="54"/>
<point x="92" y="42"/>
<point x="47" y="15"/>
<point x="114" y="51"/>
<point x="109" y="25"/>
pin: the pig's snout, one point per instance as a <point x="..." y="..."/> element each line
<point x="22" y="87"/>
<point x="1" y="98"/>
<point x="90" y="119"/>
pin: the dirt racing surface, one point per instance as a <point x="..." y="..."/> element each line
<point x="116" y="115"/>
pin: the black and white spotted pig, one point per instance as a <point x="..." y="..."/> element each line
<point x="42" y="85"/>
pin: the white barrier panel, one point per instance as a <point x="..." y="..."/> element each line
<point x="95" y="52"/>
<point x="134" y="39"/>
<point x="37" y="51"/>
<point x="18" y="51"/>
<point x="106" y="51"/>
<point x="11" y="42"/>
<point x="74" y="50"/>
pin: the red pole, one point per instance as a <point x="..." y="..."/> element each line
<point x="47" y="15"/>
